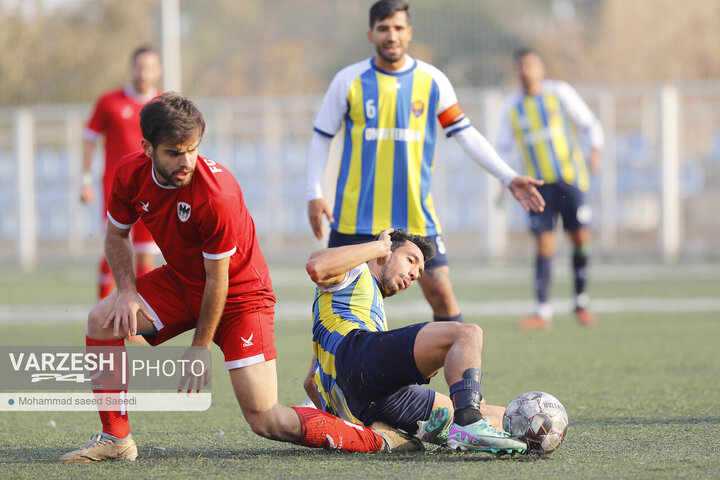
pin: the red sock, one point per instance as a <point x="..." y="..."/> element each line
<point x="323" y="430"/>
<point x="115" y="422"/>
<point x="106" y="282"/>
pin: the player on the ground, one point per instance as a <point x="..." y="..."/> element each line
<point x="215" y="281"/>
<point x="365" y="373"/>
<point x="543" y="121"/>
<point x="116" y="116"/>
<point x="390" y="105"/>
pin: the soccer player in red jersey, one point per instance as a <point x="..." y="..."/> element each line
<point x="117" y="117"/>
<point x="215" y="281"/>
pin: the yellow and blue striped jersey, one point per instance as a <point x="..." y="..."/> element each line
<point x="545" y="129"/>
<point x="390" y="121"/>
<point x="355" y="303"/>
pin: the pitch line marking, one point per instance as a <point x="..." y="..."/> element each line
<point x="300" y="311"/>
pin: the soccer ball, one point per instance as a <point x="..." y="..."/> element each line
<point x="537" y="418"/>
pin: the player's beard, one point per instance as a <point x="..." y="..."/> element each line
<point x="169" y="177"/>
<point x="387" y="281"/>
<point x="388" y="59"/>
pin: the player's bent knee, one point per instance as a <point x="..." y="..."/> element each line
<point x="471" y="330"/>
<point x="95" y="322"/>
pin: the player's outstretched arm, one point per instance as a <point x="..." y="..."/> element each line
<point x="525" y="191"/>
<point x="328" y="267"/>
<point x="522" y="187"/>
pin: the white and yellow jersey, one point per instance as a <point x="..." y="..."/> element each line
<point x="355" y="303"/>
<point x="545" y="129"/>
<point x="391" y="121"/>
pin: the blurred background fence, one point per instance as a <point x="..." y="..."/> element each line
<point x="258" y="71"/>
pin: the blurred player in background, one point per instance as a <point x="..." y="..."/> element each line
<point x="216" y="281"/>
<point x="116" y="116"/>
<point x="365" y="373"/>
<point x="543" y="121"/>
<point x="390" y="105"/>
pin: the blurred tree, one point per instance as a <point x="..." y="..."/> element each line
<point x="72" y="50"/>
<point x="639" y="41"/>
<point x="70" y="53"/>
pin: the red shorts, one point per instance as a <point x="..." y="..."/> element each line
<point x="245" y="333"/>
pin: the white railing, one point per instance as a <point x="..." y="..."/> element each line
<point x="662" y="142"/>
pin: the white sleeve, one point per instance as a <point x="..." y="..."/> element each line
<point x="349" y="278"/>
<point x="505" y="139"/>
<point x="317" y="159"/>
<point x="334" y="106"/>
<point x="580" y="113"/>
<point x="90" y="135"/>
<point x="480" y="150"/>
<point x="450" y="115"/>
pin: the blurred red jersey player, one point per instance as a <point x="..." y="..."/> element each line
<point x="116" y="116"/>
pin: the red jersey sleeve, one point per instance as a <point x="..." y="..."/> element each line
<point x="96" y="124"/>
<point x="120" y="211"/>
<point x="220" y="226"/>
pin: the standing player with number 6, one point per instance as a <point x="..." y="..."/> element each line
<point x="390" y="105"/>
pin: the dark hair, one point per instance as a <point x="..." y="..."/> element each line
<point x="170" y="117"/>
<point x="143" y="49"/>
<point x="400" y="237"/>
<point x="386" y="8"/>
<point x="521" y="52"/>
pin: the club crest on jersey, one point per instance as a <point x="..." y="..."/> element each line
<point x="418" y="107"/>
<point x="183" y="210"/>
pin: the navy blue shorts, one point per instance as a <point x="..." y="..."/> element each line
<point x="377" y="373"/>
<point x="561" y="199"/>
<point x="440" y="259"/>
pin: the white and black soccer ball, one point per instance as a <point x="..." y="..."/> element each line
<point x="539" y="419"/>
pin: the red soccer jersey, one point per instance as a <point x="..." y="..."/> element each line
<point x="117" y="116"/>
<point x="205" y="219"/>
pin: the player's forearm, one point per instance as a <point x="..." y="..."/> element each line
<point x="119" y="254"/>
<point x="317" y="158"/>
<point x="480" y="150"/>
<point x="310" y="387"/>
<point x="211" y="309"/>
<point x="87" y="154"/>
<point x="327" y="265"/>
